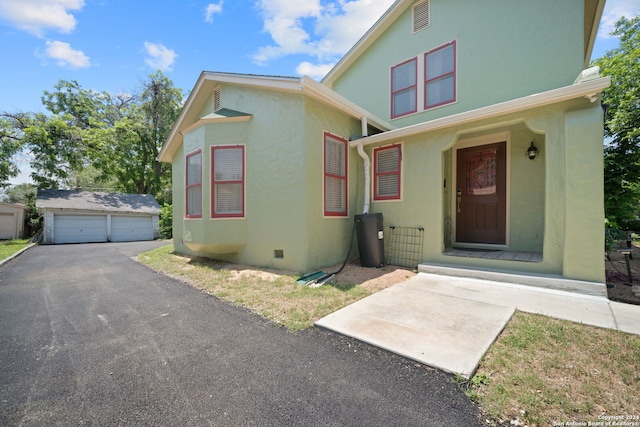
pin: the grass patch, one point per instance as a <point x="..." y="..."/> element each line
<point x="10" y="247"/>
<point x="543" y="371"/>
<point x="274" y="296"/>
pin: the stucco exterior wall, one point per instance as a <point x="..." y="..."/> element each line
<point x="506" y="49"/>
<point x="328" y="237"/>
<point x="554" y="204"/>
<point x="284" y="177"/>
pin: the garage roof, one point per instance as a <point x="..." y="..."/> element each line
<point x="92" y="201"/>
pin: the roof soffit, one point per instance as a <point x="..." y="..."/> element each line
<point x="592" y="15"/>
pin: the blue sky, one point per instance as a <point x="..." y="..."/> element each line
<point x="113" y="45"/>
<point x="110" y="45"/>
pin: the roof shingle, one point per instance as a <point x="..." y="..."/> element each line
<point x="95" y="201"/>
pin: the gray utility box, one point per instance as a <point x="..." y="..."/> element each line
<point x="370" y="236"/>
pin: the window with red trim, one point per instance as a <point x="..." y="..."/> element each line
<point x="386" y="172"/>
<point x="440" y="76"/>
<point x="193" y="188"/>
<point x="335" y="175"/>
<point x="227" y="181"/>
<point x="404" y="88"/>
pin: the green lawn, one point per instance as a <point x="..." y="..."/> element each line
<point x="271" y="294"/>
<point x="10" y="247"/>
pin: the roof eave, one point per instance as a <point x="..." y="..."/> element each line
<point x="324" y="94"/>
<point x="589" y="89"/>
<point x="168" y="149"/>
<point x="593" y="30"/>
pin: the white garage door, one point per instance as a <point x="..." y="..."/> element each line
<point x="79" y="228"/>
<point x="131" y="228"/>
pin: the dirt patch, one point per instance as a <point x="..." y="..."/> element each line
<point x="617" y="277"/>
<point x="371" y="279"/>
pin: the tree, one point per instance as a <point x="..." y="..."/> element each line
<point x="57" y="148"/>
<point x="18" y="193"/>
<point x="622" y="125"/>
<point x="165" y="224"/>
<point x="26" y="195"/>
<point x="94" y="140"/>
<point x="131" y="146"/>
<point x="10" y="145"/>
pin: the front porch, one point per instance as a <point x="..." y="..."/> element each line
<point x="524" y="256"/>
<point x="550" y="282"/>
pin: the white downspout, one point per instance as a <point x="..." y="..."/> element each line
<point x="367" y="169"/>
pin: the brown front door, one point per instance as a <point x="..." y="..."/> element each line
<point x="481" y="194"/>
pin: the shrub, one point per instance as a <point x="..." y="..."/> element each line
<point x="166" y="221"/>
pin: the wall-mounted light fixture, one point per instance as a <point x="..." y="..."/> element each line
<point x="532" y="152"/>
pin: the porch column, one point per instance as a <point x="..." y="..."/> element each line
<point x="584" y="202"/>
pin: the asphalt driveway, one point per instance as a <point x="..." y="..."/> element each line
<point x="90" y="337"/>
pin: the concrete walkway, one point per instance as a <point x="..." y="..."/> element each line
<point x="450" y="322"/>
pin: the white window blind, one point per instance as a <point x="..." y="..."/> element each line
<point x="335" y="176"/>
<point x="387" y="173"/>
<point x="228" y="181"/>
<point x="194" y="185"/>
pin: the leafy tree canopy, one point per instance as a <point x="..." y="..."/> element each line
<point x="93" y="140"/>
<point x="10" y="145"/>
<point x="18" y="193"/>
<point x="622" y="127"/>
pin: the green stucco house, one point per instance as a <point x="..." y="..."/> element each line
<point x="479" y="124"/>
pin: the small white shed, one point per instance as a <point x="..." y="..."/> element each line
<point x="91" y="217"/>
<point x="11" y="221"/>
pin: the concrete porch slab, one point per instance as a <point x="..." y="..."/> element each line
<point x="580" y="308"/>
<point x="627" y="317"/>
<point x="450" y="322"/>
<point x="438" y="330"/>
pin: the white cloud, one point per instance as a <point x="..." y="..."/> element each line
<point x="66" y="56"/>
<point x="212" y="9"/>
<point x="613" y="11"/>
<point x="316" y="71"/>
<point x="341" y="30"/>
<point x="159" y="56"/>
<point x="284" y="21"/>
<point x="37" y="16"/>
<point x="325" y="31"/>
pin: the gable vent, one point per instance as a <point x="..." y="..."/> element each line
<point x="216" y="100"/>
<point x="421" y="12"/>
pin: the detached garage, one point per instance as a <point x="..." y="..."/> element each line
<point x="89" y="217"/>
<point x="11" y="221"/>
